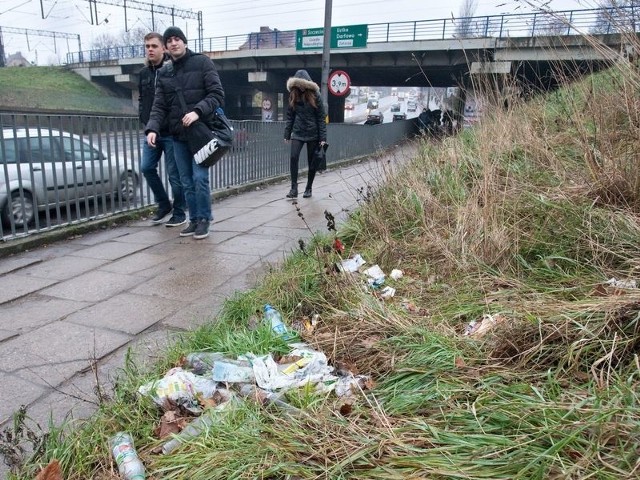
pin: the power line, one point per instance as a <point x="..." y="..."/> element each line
<point x="153" y="9"/>
<point x="41" y="33"/>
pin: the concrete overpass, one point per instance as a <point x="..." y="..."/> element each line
<point x="534" y="60"/>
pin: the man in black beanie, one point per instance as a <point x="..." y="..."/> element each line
<point x="194" y="77"/>
<point x="173" y="32"/>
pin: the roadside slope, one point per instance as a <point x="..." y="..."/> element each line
<point x="58" y="90"/>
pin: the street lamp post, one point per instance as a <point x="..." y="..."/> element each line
<point x="326" y="52"/>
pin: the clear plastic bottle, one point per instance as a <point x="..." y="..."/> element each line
<point x="202" y="362"/>
<point x="273" y="318"/>
<point x="129" y="464"/>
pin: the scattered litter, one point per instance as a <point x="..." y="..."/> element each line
<point x="471" y="327"/>
<point x="351" y="264"/>
<point x="338" y="246"/>
<point x="481" y="327"/>
<point x="413" y="308"/>
<point x="264" y="397"/>
<point x="350" y="385"/>
<point x="374" y="272"/>
<point x="195" y="428"/>
<point x="387" y="292"/>
<point x="130" y="466"/>
<point x="627" y="284"/>
<point x="396" y="274"/>
<point x="202" y="362"/>
<point x="273" y="318"/>
<point x="313" y="370"/>
<point x="310" y="324"/>
<point x="181" y="387"/>
<point x="232" y="371"/>
<point x="260" y="378"/>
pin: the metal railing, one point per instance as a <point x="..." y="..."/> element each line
<point x="62" y="170"/>
<point x="568" y="22"/>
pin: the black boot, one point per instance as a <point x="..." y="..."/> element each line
<point x="307" y="193"/>
<point x="293" y="193"/>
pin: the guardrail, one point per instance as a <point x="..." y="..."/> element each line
<point x="61" y="170"/>
<point x="568" y="22"/>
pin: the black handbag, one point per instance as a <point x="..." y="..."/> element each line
<point x="319" y="159"/>
<point x="208" y="143"/>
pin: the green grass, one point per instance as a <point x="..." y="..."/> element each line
<point x="57" y="89"/>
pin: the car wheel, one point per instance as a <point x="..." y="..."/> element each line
<point x="20" y="209"/>
<point x="128" y="186"/>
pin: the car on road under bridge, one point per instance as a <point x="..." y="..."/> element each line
<point x="374" y="118"/>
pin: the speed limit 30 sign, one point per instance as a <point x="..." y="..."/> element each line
<point x="339" y="83"/>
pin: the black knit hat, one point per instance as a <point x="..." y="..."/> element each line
<point x="173" y="32"/>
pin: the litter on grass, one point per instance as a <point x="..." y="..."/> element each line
<point x="351" y="264"/>
<point x="396" y="274"/>
<point x="180" y="387"/>
<point x="627" y="284"/>
<point x="387" y="292"/>
<point x="478" y="328"/>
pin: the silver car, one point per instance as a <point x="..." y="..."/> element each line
<point x="41" y="168"/>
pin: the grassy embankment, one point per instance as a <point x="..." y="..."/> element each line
<point x="523" y="218"/>
<point x="56" y="89"/>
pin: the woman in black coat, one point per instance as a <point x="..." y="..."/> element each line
<point x="305" y="124"/>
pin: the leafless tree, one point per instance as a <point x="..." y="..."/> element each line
<point x="133" y="36"/>
<point x="617" y="16"/>
<point x="465" y="23"/>
<point x="550" y="24"/>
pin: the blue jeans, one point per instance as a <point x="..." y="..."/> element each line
<point x="195" y="182"/>
<point x="150" y="159"/>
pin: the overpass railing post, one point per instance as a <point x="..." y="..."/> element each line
<point x="533" y="26"/>
<point x="501" y="26"/>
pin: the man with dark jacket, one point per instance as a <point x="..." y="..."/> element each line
<point x="154" y="59"/>
<point x="191" y="79"/>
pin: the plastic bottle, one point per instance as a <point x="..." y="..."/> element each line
<point x="273" y="318"/>
<point x="129" y="464"/>
<point x="197" y="427"/>
<point x="232" y="371"/>
<point x="202" y="362"/>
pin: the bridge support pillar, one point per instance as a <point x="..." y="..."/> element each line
<point x="336" y="109"/>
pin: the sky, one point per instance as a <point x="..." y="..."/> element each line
<point x="220" y="18"/>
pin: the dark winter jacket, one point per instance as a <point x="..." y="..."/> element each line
<point x="147" y="90"/>
<point x="197" y="77"/>
<point x="303" y="121"/>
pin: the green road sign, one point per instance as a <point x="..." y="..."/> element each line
<point x="351" y="36"/>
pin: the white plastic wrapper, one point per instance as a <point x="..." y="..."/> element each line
<point x="313" y="368"/>
<point x="350" y="385"/>
<point x="181" y="387"/>
<point x="629" y="284"/>
<point x="374" y="272"/>
<point x="351" y="264"/>
<point x="387" y="292"/>
<point x="396" y="274"/>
